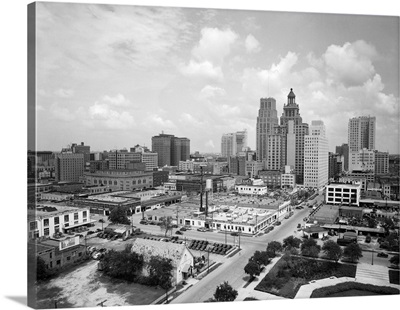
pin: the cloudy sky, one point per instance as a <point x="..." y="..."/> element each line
<point x="114" y="76"/>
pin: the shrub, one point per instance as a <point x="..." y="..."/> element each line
<point x="346" y="286"/>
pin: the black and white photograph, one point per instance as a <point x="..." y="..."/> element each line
<point x="187" y="154"/>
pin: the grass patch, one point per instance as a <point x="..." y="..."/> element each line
<point x="291" y="272"/>
<point x="394" y="276"/>
<point x="347" y="289"/>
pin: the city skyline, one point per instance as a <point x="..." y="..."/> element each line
<point x="200" y="73"/>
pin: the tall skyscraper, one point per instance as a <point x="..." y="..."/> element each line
<point x="266" y="120"/>
<point x="170" y="149"/>
<point x="69" y="166"/>
<point x="316" y="160"/>
<point x="381" y="162"/>
<point x="233" y="143"/>
<point x="361" y="133"/>
<point x="296" y="130"/>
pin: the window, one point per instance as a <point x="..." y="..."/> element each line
<point x="84" y="214"/>
<point x="51" y="255"/>
<point x="59" y="262"/>
<point x="32" y="225"/>
<point x="46" y="222"/>
<point x="47" y="231"/>
<point x="56" y="220"/>
<point x="66" y="218"/>
<point x="68" y="257"/>
<point x="76" y="216"/>
<point x="56" y="229"/>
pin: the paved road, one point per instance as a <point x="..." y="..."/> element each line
<point x="233" y="269"/>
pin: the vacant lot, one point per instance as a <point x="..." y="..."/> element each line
<point x="84" y="286"/>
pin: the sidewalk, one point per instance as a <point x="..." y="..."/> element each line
<point x="249" y="291"/>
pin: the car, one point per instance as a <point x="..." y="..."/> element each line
<point x="235" y="234"/>
<point x="299" y="225"/>
<point x="183" y="229"/>
<point x="368" y="239"/>
<point x="188" y="227"/>
<point x="179" y="232"/>
<point x="202" y="229"/>
<point x="143" y="222"/>
<point x="305" y="219"/>
<point x="277" y="223"/>
<point x="382" y="254"/>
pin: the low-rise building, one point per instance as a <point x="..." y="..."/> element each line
<point x="344" y="194"/>
<point x="48" y="219"/>
<point x="58" y="253"/>
<point x="244" y="189"/>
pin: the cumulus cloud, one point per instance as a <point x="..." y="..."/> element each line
<point x="119" y="100"/>
<point x="214" y="45"/>
<point x="350" y="64"/>
<point x="251" y="44"/>
<point x="107" y="113"/>
<point x="203" y="69"/>
<point x="209" y="91"/>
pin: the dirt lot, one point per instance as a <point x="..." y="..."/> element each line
<point x="84" y="286"/>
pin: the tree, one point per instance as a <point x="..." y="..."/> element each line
<point x="273" y="247"/>
<point x="118" y="215"/>
<point x="332" y="250"/>
<point x="260" y="258"/>
<point x="42" y="272"/>
<point x="394" y="259"/>
<point x="126" y="265"/>
<point x="166" y="224"/>
<point x="225" y="292"/>
<point x="160" y="271"/>
<point x="309" y="247"/>
<point x="353" y="252"/>
<point x="291" y="242"/>
<point x="252" y="268"/>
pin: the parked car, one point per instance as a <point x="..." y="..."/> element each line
<point x="202" y="229"/>
<point x="382" y="254"/>
<point x="368" y="239"/>
<point x="235" y="233"/>
<point x="179" y="232"/>
<point x="299" y="225"/>
<point x="188" y="227"/>
<point x="143" y="222"/>
<point x="277" y="223"/>
<point x="183" y="229"/>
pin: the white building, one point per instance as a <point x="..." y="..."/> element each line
<point x="251" y="189"/>
<point x="362" y="160"/>
<point x="233" y="143"/>
<point x="187" y="165"/>
<point x="316" y="156"/>
<point x="253" y="167"/>
<point x="345" y="194"/>
<point x="49" y="219"/>
<point x="288" y="179"/>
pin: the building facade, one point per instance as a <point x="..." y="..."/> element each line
<point x="120" y="179"/>
<point x="381" y="163"/>
<point x="361" y="133"/>
<point x="362" y="160"/>
<point x="267" y="118"/>
<point x="316" y="156"/>
<point x="69" y="166"/>
<point x="170" y="149"/>
<point x="343" y="194"/>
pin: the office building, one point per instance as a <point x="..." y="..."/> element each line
<point x="362" y="160"/>
<point x="69" y="166"/>
<point x="233" y="143"/>
<point x="343" y="150"/>
<point x="381" y="163"/>
<point x="267" y="118"/>
<point x="170" y="149"/>
<point x="296" y="131"/>
<point x="361" y="133"/>
<point x="316" y="156"/>
<point x="81" y="149"/>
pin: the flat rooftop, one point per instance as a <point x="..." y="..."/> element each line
<point x="52" y="210"/>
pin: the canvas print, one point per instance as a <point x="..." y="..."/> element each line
<point x="194" y="155"/>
